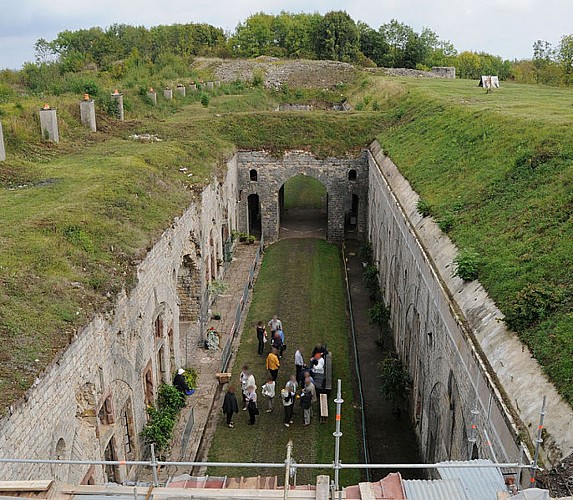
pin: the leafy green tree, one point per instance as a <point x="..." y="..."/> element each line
<point x="542" y="57"/>
<point x="254" y="36"/>
<point x="396" y="35"/>
<point x="337" y="37"/>
<point x="468" y="65"/>
<point x="372" y="44"/>
<point x="295" y="34"/>
<point x="565" y="57"/>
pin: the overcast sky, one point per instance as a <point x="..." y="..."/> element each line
<point x="504" y="27"/>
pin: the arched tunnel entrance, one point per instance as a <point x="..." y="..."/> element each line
<point x="303" y="208"/>
<point x="254" y="205"/>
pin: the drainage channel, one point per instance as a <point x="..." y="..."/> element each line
<point x="387" y="438"/>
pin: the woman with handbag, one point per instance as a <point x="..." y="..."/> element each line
<point x="252" y="403"/>
<point x="261" y="337"/>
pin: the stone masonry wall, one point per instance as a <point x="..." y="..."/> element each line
<point x="272" y="173"/>
<point x="94" y="395"/>
<point x="453" y="371"/>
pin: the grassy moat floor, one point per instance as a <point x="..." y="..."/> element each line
<point x="301" y="280"/>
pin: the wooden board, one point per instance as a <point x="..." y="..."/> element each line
<point x="26" y="485"/>
<point x="323" y="408"/>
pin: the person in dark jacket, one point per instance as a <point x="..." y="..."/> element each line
<point x="261" y="335"/>
<point x="180" y="383"/>
<point x="230" y="406"/>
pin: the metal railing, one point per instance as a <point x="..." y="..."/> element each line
<point x="228" y="348"/>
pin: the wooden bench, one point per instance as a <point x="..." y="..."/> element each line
<point x="323" y="408"/>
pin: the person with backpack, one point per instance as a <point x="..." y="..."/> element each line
<point x="230" y="406"/>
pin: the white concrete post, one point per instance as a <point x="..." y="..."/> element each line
<point x="217" y="83"/>
<point x="152" y="96"/>
<point x="168" y="93"/>
<point x="209" y="85"/>
<point x="87" y="113"/>
<point x="181" y="91"/>
<point x="193" y="87"/>
<point x="118" y="98"/>
<point x="49" y="124"/>
<point x="2" y="148"/>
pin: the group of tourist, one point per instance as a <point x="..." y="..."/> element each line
<point x="300" y="387"/>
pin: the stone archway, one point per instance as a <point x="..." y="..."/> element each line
<point x="345" y="181"/>
<point x="303" y="208"/>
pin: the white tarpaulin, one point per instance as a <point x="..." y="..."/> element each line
<point x="489" y="82"/>
<point x="532" y="494"/>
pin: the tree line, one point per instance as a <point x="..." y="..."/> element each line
<point x="334" y="36"/>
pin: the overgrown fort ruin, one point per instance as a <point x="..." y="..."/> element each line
<point x="90" y="403"/>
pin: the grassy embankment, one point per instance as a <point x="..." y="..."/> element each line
<point x="304" y="192"/>
<point x="497" y="172"/>
<point x="495" y="169"/>
<point x="311" y="304"/>
<point x="79" y="215"/>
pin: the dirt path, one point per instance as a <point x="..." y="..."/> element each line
<point x="390" y="439"/>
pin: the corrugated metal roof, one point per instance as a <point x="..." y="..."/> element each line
<point x="438" y="489"/>
<point x="478" y="483"/>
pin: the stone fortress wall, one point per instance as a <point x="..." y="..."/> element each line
<point x="452" y="338"/>
<point x="91" y="402"/>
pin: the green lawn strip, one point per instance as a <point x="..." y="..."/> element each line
<point x="303" y="191"/>
<point x="301" y="280"/>
<point x="506" y="184"/>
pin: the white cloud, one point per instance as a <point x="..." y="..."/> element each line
<point x="504" y="27"/>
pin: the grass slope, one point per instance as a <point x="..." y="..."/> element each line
<point x="300" y="280"/>
<point x="78" y="216"/>
<point x="498" y="170"/>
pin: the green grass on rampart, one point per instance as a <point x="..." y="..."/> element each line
<point x="497" y="172"/>
<point x="311" y="304"/>
<point x="76" y="217"/>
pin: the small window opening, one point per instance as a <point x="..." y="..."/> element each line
<point x="352" y="175"/>
<point x="253" y="175"/>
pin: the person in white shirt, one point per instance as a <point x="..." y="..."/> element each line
<point x="269" y="390"/>
<point x="275" y="324"/>
<point x="299" y="364"/>
<point x="247" y="380"/>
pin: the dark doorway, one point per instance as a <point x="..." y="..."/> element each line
<point x="351" y="215"/>
<point x="303" y="208"/>
<point x="111" y="471"/>
<point x="254" y="214"/>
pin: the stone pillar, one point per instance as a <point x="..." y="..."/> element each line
<point x="209" y="85"/>
<point x="335" y="229"/>
<point x="49" y="124"/>
<point x="181" y="91"/>
<point x="87" y="113"/>
<point x="152" y="96"/>
<point x="269" y="207"/>
<point x="217" y="83"/>
<point x="118" y="98"/>
<point x="193" y="87"/>
<point x="2" y="148"/>
<point x="168" y="93"/>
